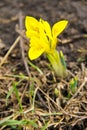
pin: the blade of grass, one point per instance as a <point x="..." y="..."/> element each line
<point x="10" y="122"/>
<point x="17" y="94"/>
<point x="35" y="67"/>
<point x="9" y="94"/>
<point x="5" y="119"/>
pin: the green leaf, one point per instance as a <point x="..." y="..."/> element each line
<point x="17" y="94"/>
<point x="62" y="59"/>
<point x="9" y="94"/>
<point x="5" y="119"/>
<point x="9" y="122"/>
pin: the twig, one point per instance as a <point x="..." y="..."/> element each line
<point x="21" y="44"/>
<point x="7" y="21"/>
<point x="25" y="88"/>
<point x="53" y="101"/>
<point x="49" y="114"/>
<point x="21" y="33"/>
<point x="41" y="99"/>
<point x="10" y="50"/>
<point x="80" y="119"/>
<point x="76" y="37"/>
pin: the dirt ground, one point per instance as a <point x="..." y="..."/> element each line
<point x="74" y="47"/>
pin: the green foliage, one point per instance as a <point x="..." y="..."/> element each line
<point x="73" y="84"/>
<point x="10" y="122"/>
<point x="14" y="90"/>
<point x="62" y="59"/>
<point x="17" y="94"/>
<point x="9" y="94"/>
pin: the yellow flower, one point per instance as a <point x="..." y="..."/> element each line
<point x="43" y="39"/>
<point x="32" y="27"/>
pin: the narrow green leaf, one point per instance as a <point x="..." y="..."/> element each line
<point x="17" y="94"/>
<point x="5" y="119"/>
<point x="9" y="122"/>
<point x="35" y="67"/>
<point x="62" y="59"/>
<point x="9" y="94"/>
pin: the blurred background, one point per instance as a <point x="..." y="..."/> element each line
<point x="75" y="11"/>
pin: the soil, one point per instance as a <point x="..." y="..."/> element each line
<point x="74" y="47"/>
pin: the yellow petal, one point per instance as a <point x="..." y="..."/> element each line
<point x="42" y="33"/>
<point x="34" y="53"/>
<point x="31" y="23"/>
<point x="39" y="43"/>
<point x="47" y="28"/>
<point x="31" y="33"/>
<point x="54" y="43"/>
<point x="35" y="42"/>
<point x="59" y="27"/>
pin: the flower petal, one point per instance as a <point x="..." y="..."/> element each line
<point x="31" y="22"/>
<point x="59" y="27"/>
<point x="35" y="42"/>
<point x="42" y="32"/>
<point x="39" y="43"/>
<point x="34" y="53"/>
<point x="31" y="25"/>
<point x="47" y="28"/>
<point x="31" y="33"/>
<point x="54" y="43"/>
<point x="36" y="48"/>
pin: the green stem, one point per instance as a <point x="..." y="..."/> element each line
<point x="58" y="63"/>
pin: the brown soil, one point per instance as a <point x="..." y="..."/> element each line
<point x="73" y="109"/>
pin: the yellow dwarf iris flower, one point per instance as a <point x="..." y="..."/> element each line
<point x="43" y="38"/>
